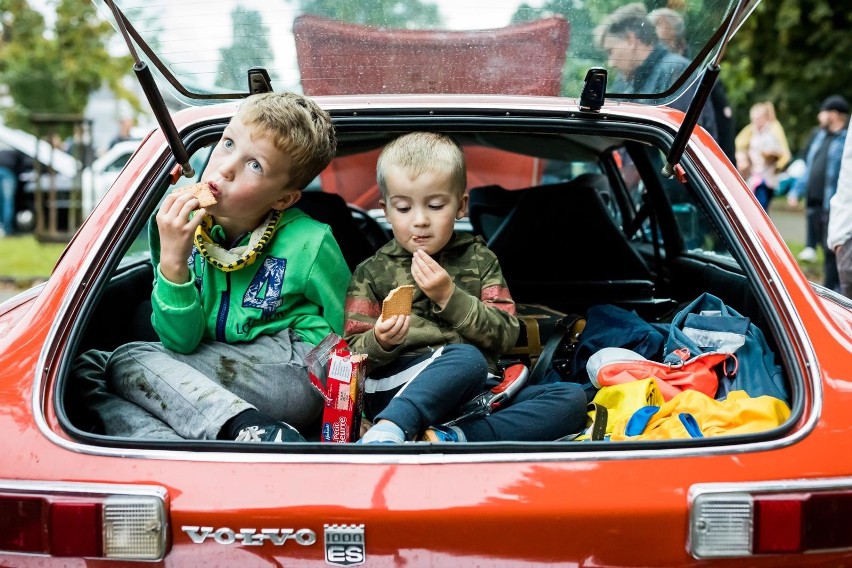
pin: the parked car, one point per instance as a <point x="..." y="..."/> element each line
<point x="56" y="167"/>
<point x="99" y="177"/>
<point x="583" y="217"/>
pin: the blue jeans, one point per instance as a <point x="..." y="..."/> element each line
<point x="8" y="182"/>
<point x="417" y="392"/>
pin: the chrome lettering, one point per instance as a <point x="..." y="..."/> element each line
<point x="250" y="536"/>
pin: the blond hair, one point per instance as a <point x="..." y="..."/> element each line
<point x="419" y="152"/>
<point x="298" y="127"/>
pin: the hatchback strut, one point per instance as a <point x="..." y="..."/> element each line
<point x="155" y="99"/>
<point x="708" y="79"/>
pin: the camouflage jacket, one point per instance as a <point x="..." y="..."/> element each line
<point x="480" y="310"/>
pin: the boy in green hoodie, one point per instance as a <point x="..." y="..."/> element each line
<point x="243" y="288"/>
<point x="425" y="366"/>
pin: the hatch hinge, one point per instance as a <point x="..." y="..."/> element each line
<point x="259" y="81"/>
<point x="594" y="90"/>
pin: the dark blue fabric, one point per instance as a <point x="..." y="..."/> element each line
<point x="436" y="395"/>
<point x="756" y="371"/>
<point x="543" y="412"/>
<point x="611" y="326"/>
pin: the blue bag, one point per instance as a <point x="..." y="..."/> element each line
<point x="708" y="325"/>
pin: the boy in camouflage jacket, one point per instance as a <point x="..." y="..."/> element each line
<point x="425" y="366"/>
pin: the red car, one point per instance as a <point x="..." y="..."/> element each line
<point x="591" y="193"/>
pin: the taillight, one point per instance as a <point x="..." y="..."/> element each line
<point x="81" y="520"/>
<point x="784" y="518"/>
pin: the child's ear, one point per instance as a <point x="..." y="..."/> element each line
<point x="384" y="207"/>
<point x="462" y="211"/>
<point x="290" y="198"/>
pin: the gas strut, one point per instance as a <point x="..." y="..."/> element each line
<point x="155" y="99"/>
<point x="708" y="79"/>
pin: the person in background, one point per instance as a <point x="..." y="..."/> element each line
<point x="644" y="65"/>
<point x="762" y="152"/>
<point x="125" y="129"/>
<point x="819" y="182"/>
<point x="671" y="31"/>
<point x="12" y="164"/>
<point x="839" y="239"/>
<point x="426" y="365"/>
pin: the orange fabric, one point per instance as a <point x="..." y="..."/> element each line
<point x="697" y="374"/>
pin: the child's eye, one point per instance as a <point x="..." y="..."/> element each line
<point x="255" y="166"/>
<point x="403" y="209"/>
<point x="227" y="143"/>
<point x="436" y="206"/>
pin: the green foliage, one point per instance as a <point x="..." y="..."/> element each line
<point x="55" y="70"/>
<point x="793" y="53"/>
<point x="250" y="48"/>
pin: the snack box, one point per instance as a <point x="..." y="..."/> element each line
<point x="344" y="396"/>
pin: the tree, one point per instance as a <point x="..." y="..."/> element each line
<point x="55" y="71"/>
<point x="249" y="48"/>
<point x="793" y="53"/>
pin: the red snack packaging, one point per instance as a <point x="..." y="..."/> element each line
<point x="339" y="376"/>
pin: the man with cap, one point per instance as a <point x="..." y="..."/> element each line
<point x="819" y="182"/>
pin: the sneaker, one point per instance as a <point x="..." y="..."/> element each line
<point x="276" y="433"/>
<point x="443" y="434"/>
<point x="808" y="254"/>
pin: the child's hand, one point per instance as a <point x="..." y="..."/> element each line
<point x="176" y="233"/>
<point x="431" y="278"/>
<point x="392" y="331"/>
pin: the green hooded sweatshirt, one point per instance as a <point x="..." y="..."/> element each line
<point x="297" y="281"/>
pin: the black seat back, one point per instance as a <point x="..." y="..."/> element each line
<point x="331" y="209"/>
<point x="560" y="246"/>
<point x="488" y="207"/>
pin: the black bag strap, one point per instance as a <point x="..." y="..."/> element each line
<point x="567" y="328"/>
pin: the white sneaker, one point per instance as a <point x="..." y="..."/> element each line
<point x="808" y="254"/>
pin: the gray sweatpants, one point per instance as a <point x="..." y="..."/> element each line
<point x="196" y="393"/>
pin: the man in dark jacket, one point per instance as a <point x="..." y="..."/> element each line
<point x="819" y="182"/>
<point x="644" y="65"/>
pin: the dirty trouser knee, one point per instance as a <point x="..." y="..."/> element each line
<point x="113" y="414"/>
<point x="197" y="393"/>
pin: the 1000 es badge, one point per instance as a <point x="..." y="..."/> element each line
<point x="344" y="544"/>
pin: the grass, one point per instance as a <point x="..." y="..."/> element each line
<point x="813" y="270"/>
<point x="26" y="259"/>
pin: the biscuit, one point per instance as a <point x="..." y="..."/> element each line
<point x="398" y="302"/>
<point x="201" y="191"/>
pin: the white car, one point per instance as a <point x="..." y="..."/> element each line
<point x="98" y="178"/>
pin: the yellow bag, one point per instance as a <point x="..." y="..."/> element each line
<point x="692" y="414"/>
<point x="617" y="403"/>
